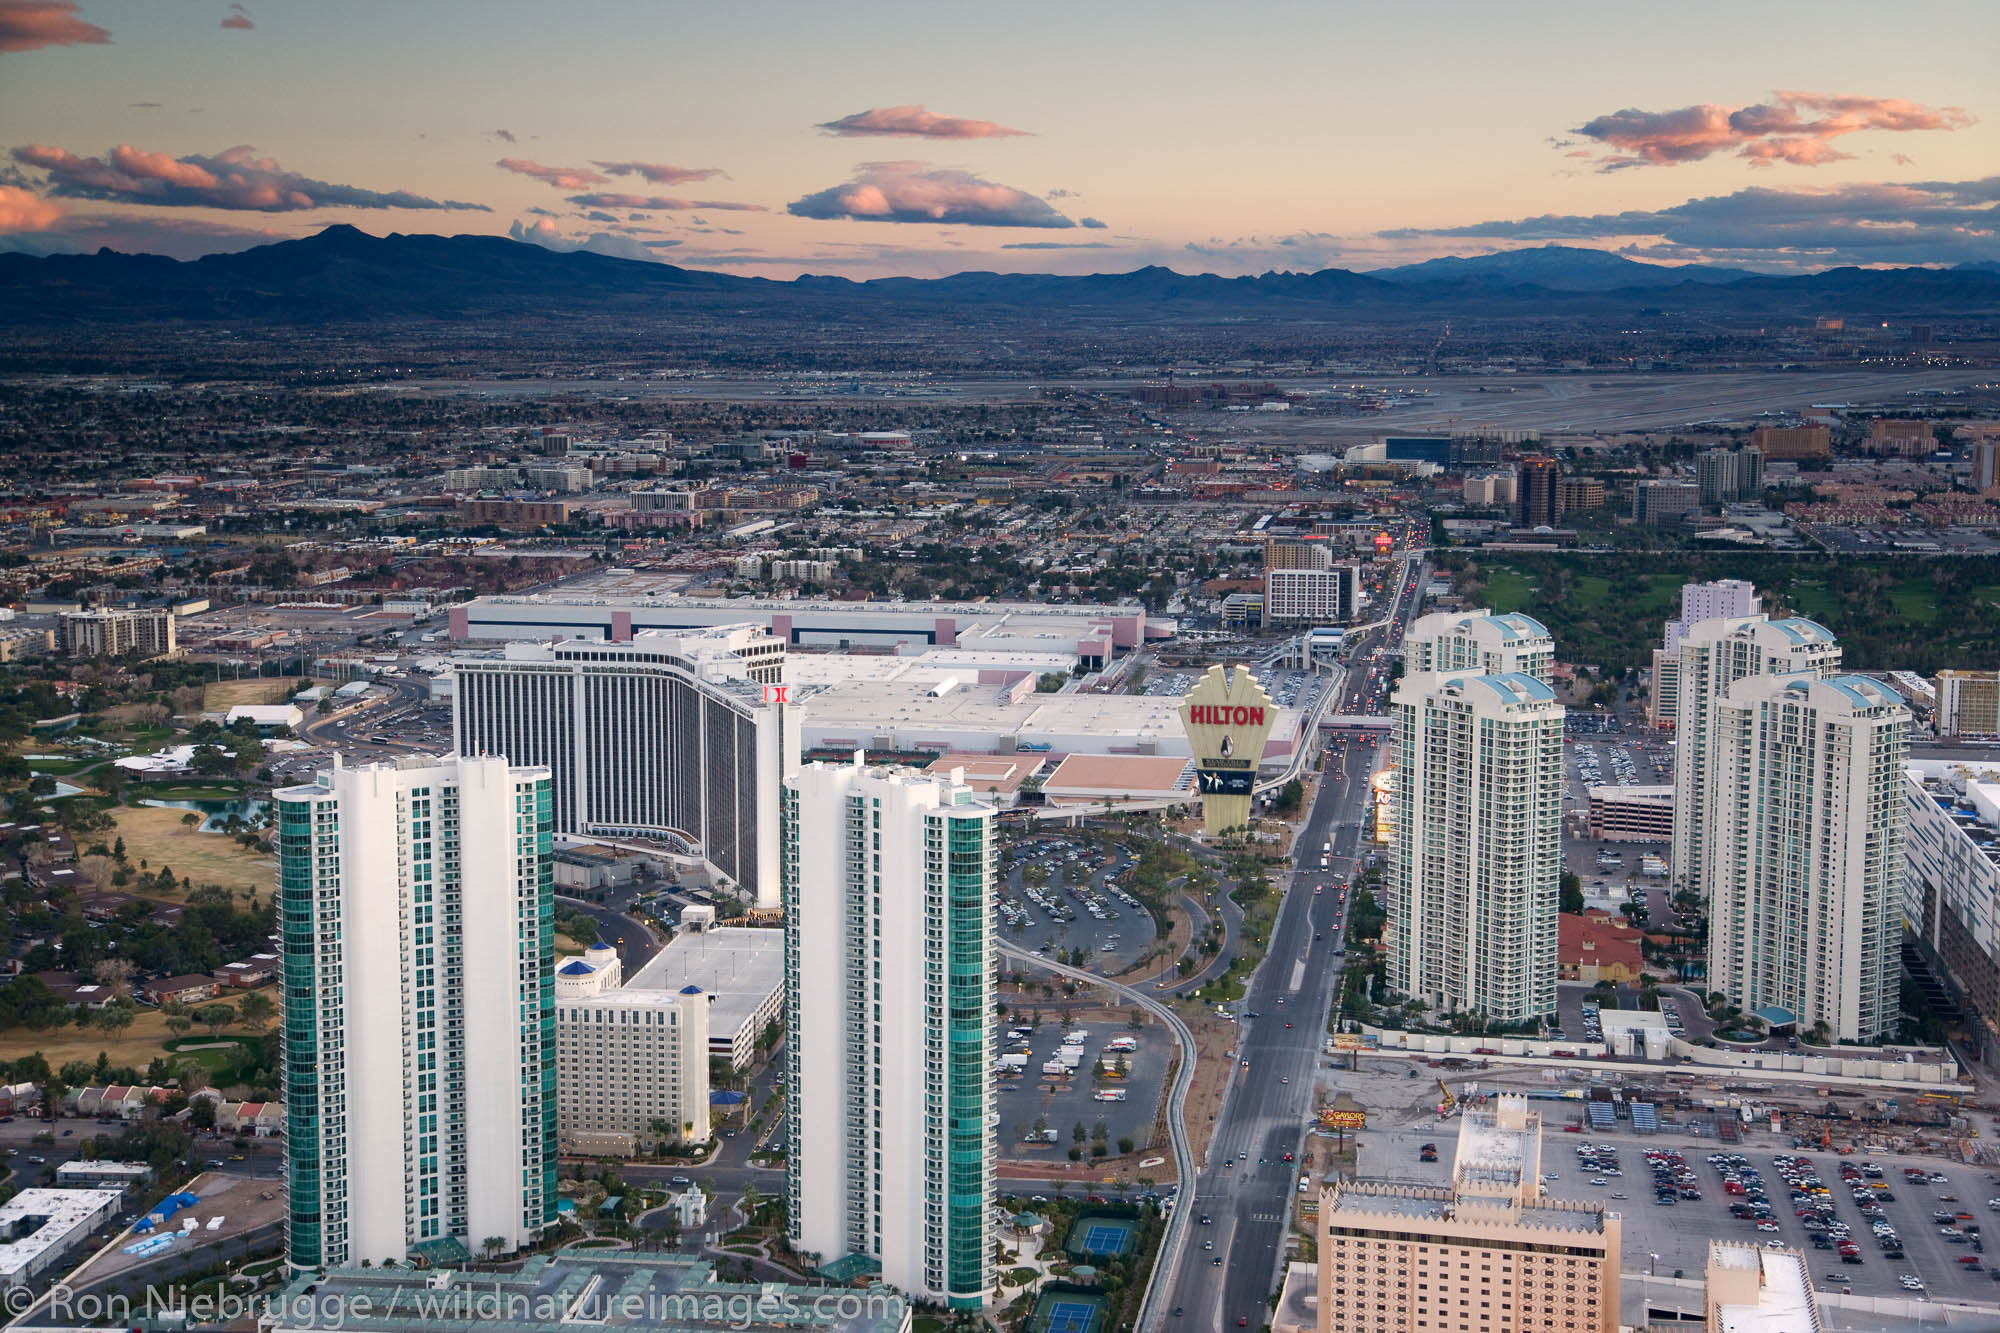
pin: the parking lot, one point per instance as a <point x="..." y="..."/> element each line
<point x="1610" y="871"/>
<point x="1062" y="896"/>
<point x="1670" y="1237"/>
<point x="1063" y="1101"/>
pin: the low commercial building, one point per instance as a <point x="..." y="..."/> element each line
<point x="1093" y="632"/>
<point x="1632" y="814"/>
<point x="907" y="713"/>
<point x="81" y="1174"/>
<point x="1109" y="780"/>
<point x="1486" y="1253"/>
<point x="1753" y="1289"/>
<point x="1594" y="946"/>
<point x="265" y="717"/>
<point x="41" y="1228"/>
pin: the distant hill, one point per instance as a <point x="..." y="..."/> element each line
<point x="1560" y="268"/>
<point x="345" y="275"/>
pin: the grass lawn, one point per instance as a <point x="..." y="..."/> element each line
<point x="1813" y="601"/>
<point x="156" y="835"/>
<point x="1662" y="599"/>
<point x="221" y="1056"/>
<point x="224" y="694"/>
<point x="1915" y="600"/>
<point x="1506" y="589"/>
<point x="135" y="1046"/>
<point x="1590" y="590"/>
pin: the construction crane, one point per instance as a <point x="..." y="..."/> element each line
<point x="1446" y="1102"/>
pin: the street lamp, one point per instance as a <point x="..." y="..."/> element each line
<point x="1651" y="1261"/>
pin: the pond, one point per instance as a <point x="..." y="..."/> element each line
<point x="216" y="812"/>
<point x="63" y="788"/>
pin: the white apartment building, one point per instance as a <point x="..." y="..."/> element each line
<point x="1715" y="600"/>
<point x="679" y="738"/>
<point x="1804" y="879"/>
<point x="1480" y="641"/>
<point x="1475" y="864"/>
<point x="889" y="993"/>
<point x="1715" y="654"/>
<point x="631" y="1062"/>
<point x="115" y="631"/>
<point x="416" y="901"/>
<point x="1330" y="596"/>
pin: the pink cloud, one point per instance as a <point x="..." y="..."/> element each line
<point x="1796" y="127"/>
<point x="916" y="122"/>
<point x="22" y="210"/>
<point x="659" y="173"/>
<point x="26" y="25"/>
<point x="1798" y="152"/>
<point x="660" y="203"/>
<point x="235" y="178"/>
<point x="563" y="178"/>
<point x="912" y="192"/>
<point x="238" y="19"/>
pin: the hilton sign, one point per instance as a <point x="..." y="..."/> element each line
<point x="1227" y="716"/>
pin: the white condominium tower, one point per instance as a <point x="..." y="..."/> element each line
<point x="679" y="738"/>
<point x="1476" y="863"/>
<point x="417" y="908"/>
<point x="1715" y="654"/>
<point x="1805" y="882"/>
<point x="1720" y="599"/>
<point x="888" y="1002"/>
<point x="1479" y="641"/>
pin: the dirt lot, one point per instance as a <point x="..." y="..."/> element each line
<point x="224" y="694"/>
<point x="1215" y="1046"/>
<point x="135" y="1046"/>
<point x="156" y="835"/>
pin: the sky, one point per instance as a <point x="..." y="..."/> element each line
<point x="869" y="139"/>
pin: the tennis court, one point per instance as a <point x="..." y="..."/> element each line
<point x="1102" y="1237"/>
<point x="1068" y="1313"/>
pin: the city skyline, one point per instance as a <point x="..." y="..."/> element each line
<point x="1295" y="140"/>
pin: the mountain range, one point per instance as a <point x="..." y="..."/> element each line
<point x="345" y="275"/>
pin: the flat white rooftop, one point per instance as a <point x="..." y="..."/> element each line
<point x="62" y="1214"/>
<point x="739" y="967"/>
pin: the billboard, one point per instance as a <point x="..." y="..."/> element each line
<point x="1338" y="1118"/>
<point x="1227" y="717"/>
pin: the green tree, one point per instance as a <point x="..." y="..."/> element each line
<point x="215" y="1017"/>
<point x="1572" y="893"/>
<point x="257" y="1010"/>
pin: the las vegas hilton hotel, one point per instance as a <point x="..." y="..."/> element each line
<point x="1489" y="1253"/>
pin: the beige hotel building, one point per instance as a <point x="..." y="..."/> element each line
<point x="1490" y="1253"/>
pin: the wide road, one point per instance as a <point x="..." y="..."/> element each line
<point x="1245" y="1187"/>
